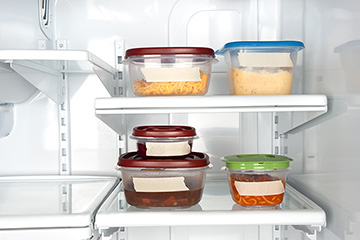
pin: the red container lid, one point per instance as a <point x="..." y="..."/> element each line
<point x="170" y="51"/>
<point x="164" y="131"/>
<point x="192" y="160"/>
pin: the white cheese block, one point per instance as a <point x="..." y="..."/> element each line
<point x="259" y="188"/>
<point x="167" y="149"/>
<point x="169" y="184"/>
<point x="254" y="59"/>
<point x="188" y="74"/>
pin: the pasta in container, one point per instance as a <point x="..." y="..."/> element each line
<point x="170" y="71"/>
<point x="257" y="179"/>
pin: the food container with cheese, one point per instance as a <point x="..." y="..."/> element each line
<point x="170" y="71"/>
<point x="163" y="182"/>
<point x="257" y="179"/>
<point x="260" y="67"/>
<point x="164" y="140"/>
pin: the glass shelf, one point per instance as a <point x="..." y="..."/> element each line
<point x="43" y="69"/>
<point x="297" y="109"/>
<point x="52" y="201"/>
<point x="215" y="207"/>
<point x="51" y="207"/>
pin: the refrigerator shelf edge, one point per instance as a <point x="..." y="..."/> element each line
<point x="208" y="103"/>
<point x="111" y="110"/>
<point x="215" y="208"/>
<point x="42" y="67"/>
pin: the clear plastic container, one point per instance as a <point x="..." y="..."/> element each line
<point x="350" y="61"/>
<point x="164" y="140"/>
<point x="170" y="71"/>
<point x="260" y="67"/>
<point x="257" y="179"/>
<point x="163" y="183"/>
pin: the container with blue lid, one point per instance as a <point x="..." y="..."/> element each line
<point x="260" y="67"/>
<point x="257" y="179"/>
<point x="268" y="45"/>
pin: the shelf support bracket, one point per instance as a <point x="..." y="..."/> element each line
<point x="310" y="231"/>
<point x="40" y="76"/>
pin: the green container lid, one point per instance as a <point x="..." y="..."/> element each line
<point x="256" y="161"/>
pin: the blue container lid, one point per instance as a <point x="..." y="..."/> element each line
<point x="278" y="45"/>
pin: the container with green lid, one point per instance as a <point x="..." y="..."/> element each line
<point x="257" y="179"/>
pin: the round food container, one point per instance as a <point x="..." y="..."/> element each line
<point x="257" y="179"/>
<point x="170" y="71"/>
<point x="163" y="183"/>
<point x="260" y="67"/>
<point x="164" y="140"/>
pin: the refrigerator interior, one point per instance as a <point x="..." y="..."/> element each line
<point x="66" y="103"/>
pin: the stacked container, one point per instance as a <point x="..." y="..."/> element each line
<point x="164" y="172"/>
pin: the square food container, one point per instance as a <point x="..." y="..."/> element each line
<point x="164" y="140"/>
<point x="170" y="71"/>
<point x="163" y="182"/>
<point x="257" y="179"/>
<point x="260" y="67"/>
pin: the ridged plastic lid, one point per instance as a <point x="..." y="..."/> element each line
<point x="283" y="45"/>
<point x="164" y="131"/>
<point x="192" y="160"/>
<point x="256" y="161"/>
<point x="169" y="51"/>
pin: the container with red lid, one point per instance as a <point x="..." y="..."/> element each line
<point x="170" y="71"/>
<point x="163" y="182"/>
<point x="164" y="140"/>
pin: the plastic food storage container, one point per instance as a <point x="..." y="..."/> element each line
<point x="164" y="140"/>
<point x="260" y="67"/>
<point x="350" y="61"/>
<point x="170" y="71"/>
<point x="163" y="183"/>
<point x="257" y="179"/>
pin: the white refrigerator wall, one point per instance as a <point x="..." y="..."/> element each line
<point x="330" y="147"/>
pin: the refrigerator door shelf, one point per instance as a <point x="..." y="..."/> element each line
<point x="296" y="110"/>
<point x="34" y="203"/>
<point x="44" y="68"/>
<point x="215" y="208"/>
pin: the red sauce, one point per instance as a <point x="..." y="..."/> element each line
<point x="254" y="200"/>
<point x="163" y="199"/>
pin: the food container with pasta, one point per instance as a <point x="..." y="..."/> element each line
<point x="257" y="179"/>
<point x="170" y="71"/>
<point x="260" y="67"/>
<point x="164" y="140"/>
<point x="163" y="182"/>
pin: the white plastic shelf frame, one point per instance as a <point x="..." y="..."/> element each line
<point x="51" y="207"/>
<point x="298" y="109"/>
<point x="215" y="208"/>
<point x="44" y="68"/>
<point x="337" y="194"/>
